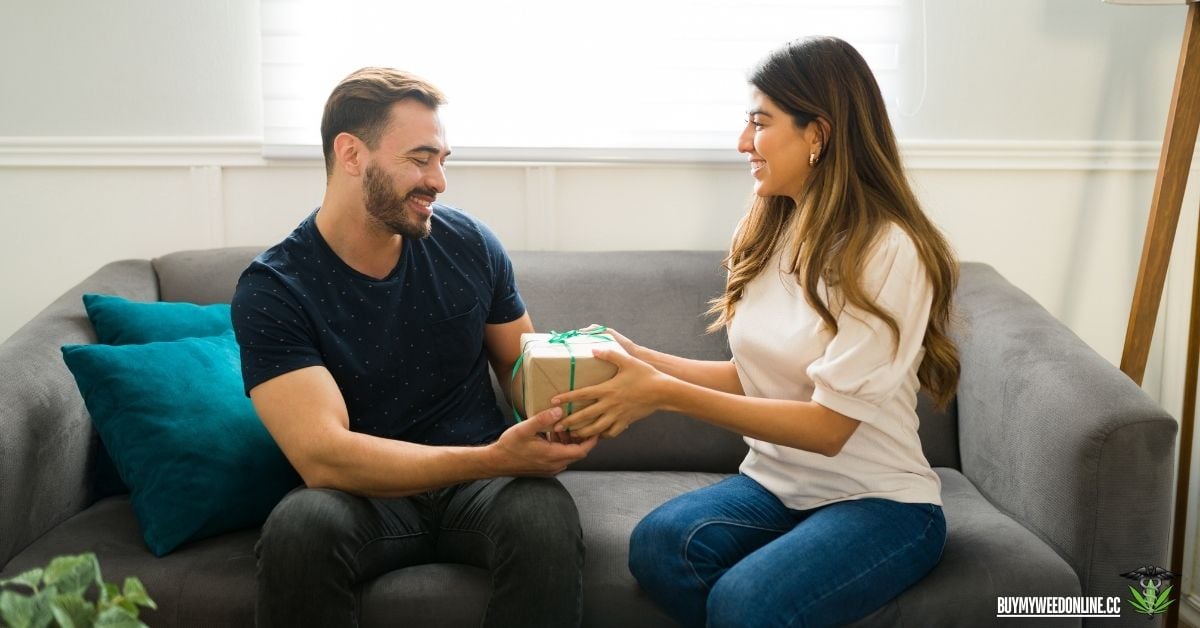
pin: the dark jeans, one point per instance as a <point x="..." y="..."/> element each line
<point x="318" y="544"/>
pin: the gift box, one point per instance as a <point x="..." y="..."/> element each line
<point x="557" y="363"/>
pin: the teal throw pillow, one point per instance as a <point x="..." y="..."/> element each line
<point x="119" y="321"/>
<point x="183" y="436"/>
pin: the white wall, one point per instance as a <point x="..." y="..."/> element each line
<point x="128" y="128"/>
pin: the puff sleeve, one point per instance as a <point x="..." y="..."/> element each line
<point x="864" y="365"/>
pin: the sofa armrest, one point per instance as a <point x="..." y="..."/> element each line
<point x="1059" y="438"/>
<point x="46" y="436"/>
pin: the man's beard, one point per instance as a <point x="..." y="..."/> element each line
<point x="388" y="208"/>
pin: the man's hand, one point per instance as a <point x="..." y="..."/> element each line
<point x="523" y="450"/>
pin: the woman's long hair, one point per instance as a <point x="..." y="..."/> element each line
<point x="854" y="191"/>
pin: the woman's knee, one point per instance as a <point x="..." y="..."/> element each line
<point x="737" y="600"/>
<point x="657" y="542"/>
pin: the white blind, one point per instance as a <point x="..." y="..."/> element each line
<point x="535" y="78"/>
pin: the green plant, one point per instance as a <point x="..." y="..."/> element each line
<point x="56" y="594"/>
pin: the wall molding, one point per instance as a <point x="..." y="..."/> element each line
<point x="1031" y="155"/>
<point x="129" y="151"/>
<point x="153" y="152"/>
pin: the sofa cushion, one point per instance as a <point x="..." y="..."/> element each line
<point x="986" y="551"/>
<point x="211" y="582"/>
<point x="184" y="437"/>
<point x="610" y="504"/>
<point x="119" y="321"/>
<point x="938" y="431"/>
<point x="987" y="554"/>
<point x="203" y="583"/>
<point x="204" y="276"/>
<point x="664" y="297"/>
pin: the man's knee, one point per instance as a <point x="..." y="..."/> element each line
<point x="537" y="506"/>
<point x="308" y="519"/>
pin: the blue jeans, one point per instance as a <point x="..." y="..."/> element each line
<point x="319" y="545"/>
<point x="732" y="554"/>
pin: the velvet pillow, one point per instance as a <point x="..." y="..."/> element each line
<point x="183" y="435"/>
<point x="119" y="321"/>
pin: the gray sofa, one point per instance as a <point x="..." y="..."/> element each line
<point x="1056" y="469"/>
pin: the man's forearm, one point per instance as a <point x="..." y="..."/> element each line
<point x="379" y="467"/>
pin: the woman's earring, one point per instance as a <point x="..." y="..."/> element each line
<point x="812" y="159"/>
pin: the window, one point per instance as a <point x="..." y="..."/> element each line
<point x="546" y="79"/>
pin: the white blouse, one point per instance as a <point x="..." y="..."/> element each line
<point x="783" y="350"/>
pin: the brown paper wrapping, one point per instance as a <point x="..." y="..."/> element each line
<point x="546" y="370"/>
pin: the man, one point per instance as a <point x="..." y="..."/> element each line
<point x="366" y="336"/>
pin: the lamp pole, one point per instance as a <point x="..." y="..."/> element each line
<point x="1169" y="185"/>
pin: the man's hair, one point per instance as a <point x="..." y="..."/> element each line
<point x="361" y="105"/>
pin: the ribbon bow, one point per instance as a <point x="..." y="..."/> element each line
<point x="566" y="339"/>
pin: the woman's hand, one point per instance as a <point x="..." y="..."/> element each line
<point x="628" y="345"/>
<point x="634" y="392"/>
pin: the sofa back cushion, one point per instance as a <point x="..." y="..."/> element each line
<point x="202" y="277"/>
<point x="656" y="298"/>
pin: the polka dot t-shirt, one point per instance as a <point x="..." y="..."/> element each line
<point x="407" y="350"/>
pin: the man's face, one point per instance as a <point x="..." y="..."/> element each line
<point x="404" y="175"/>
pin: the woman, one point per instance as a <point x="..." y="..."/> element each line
<point x="837" y="305"/>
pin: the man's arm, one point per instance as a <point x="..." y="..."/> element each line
<point x="305" y="413"/>
<point x="503" y="345"/>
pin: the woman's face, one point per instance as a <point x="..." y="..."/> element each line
<point x="777" y="149"/>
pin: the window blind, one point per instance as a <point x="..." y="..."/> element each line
<point x="536" y="79"/>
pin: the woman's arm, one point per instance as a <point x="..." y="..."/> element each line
<point x="715" y="374"/>
<point x="639" y="389"/>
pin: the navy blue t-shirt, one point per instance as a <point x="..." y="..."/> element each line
<point x="407" y="350"/>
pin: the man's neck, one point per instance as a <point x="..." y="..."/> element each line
<point x="354" y="238"/>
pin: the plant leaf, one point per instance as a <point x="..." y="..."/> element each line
<point x="135" y="592"/>
<point x="72" y="611"/>
<point x="29" y="579"/>
<point x="71" y="574"/>
<point x="127" y="604"/>
<point x="98" y="579"/>
<point x="110" y="591"/>
<point x="117" y="617"/>
<point x="1137" y="595"/>
<point x="27" y="611"/>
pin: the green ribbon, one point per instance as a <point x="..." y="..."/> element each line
<point x="565" y="339"/>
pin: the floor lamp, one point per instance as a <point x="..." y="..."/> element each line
<point x="1169" y="185"/>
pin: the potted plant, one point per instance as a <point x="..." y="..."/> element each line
<point x="58" y="594"/>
